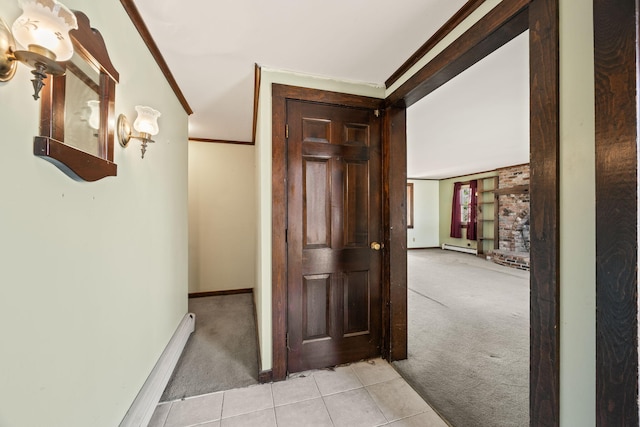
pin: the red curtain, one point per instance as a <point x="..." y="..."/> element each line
<point x="472" y="233"/>
<point x="456" y="225"/>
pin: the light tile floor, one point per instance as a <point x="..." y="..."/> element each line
<point x="364" y="394"/>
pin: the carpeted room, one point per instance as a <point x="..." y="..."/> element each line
<point x="468" y="316"/>
<point x="468" y="338"/>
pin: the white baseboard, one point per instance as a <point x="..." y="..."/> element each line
<point x="446" y="246"/>
<point x="141" y="410"/>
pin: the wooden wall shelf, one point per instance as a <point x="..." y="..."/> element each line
<point x="516" y="189"/>
<point x="487" y="214"/>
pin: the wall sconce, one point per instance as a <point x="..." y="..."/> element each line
<point x="146" y="124"/>
<point x="43" y="28"/>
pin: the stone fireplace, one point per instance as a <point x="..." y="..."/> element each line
<point x="513" y="217"/>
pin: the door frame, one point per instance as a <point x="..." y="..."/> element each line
<point x="280" y="95"/>
<point x="503" y="23"/>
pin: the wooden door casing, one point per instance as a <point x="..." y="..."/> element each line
<point x="334" y="213"/>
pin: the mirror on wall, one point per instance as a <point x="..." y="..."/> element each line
<point x="77" y="110"/>
<point x="82" y="106"/>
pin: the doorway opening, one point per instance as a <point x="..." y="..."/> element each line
<point x="468" y="295"/>
<point x="503" y="23"/>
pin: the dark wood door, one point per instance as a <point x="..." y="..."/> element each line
<point x="333" y="232"/>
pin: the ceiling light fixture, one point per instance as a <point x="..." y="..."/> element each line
<point x="43" y="32"/>
<point x="146" y="124"/>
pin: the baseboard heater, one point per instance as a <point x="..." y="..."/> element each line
<point x="140" y="412"/>
<point x="459" y="249"/>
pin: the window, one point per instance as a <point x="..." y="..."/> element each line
<point x="410" y="205"/>
<point x="465" y="204"/>
<point x="463" y="209"/>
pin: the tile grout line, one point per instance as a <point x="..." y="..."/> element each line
<point x="408" y="416"/>
<point x="324" y="403"/>
<point x="164" y="422"/>
<point x="371" y="397"/>
<point x="273" y="403"/>
<point x="377" y="405"/>
<point x="224" y="394"/>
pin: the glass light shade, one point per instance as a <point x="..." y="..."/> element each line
<point x="46" y="23"/>
<point x="147" y="120"/>
<point x="94" y="116"/>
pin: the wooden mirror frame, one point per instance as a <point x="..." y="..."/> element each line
<point x="89" y="45"/>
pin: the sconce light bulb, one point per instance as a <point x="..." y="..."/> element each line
<point x="147" y="120"/>
<point x="45" y="24"/>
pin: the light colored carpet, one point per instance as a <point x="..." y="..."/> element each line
<point x="468" y="338"/>
<point x="222" y="353"/>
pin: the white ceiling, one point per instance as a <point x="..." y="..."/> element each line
<point x="476" y="122"/>
<point x="212" y="46"/>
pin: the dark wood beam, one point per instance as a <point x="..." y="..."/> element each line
<point x="395" y="219"/>
<point x="616" y="114"/>
<point x="503" y="23"/>
<point x="544" y="376"/>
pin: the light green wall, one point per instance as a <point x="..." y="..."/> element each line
<point x="426" y="215"/>
<point x="263" y="177"/>
<point x="446" y="201"/>
<point x="93" y="276"/>
<point x="577" y="215"/>
<point x="222" y="216"/>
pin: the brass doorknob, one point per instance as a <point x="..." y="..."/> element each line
<point x="376" y="246"/>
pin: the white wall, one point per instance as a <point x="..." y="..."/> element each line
<point x="426" y="215"/>
<point x="93" y="276"/>
<point x="222" y="216"/>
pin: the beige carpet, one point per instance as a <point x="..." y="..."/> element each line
<point x="222" y="353"/>
<point x="468" y="325"/>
